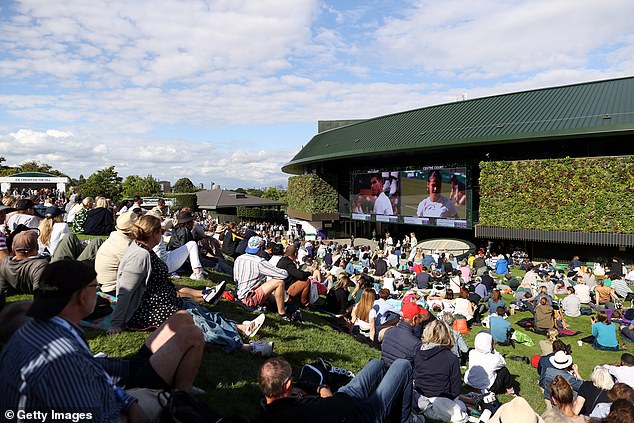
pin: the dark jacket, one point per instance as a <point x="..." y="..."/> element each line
<point x="338" y="408"/>
<point x="337" y="301"/>
<point x="399" y="342"/>
<point x="230" y="242"/>
<point x="244" y="242"/>
<point x="99" y="221"/>
<point x="380" y="267"/>
<point x="180" y="236"/>
<point x="422" y="280"/>
<point x="437" y="373"/>
<point x="294" y="274"/>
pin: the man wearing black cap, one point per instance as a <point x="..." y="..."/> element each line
<point x="47" y="364"/>
<point x="24" y="215"/>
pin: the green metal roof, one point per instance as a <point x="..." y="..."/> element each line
<point x="35" y="175"/>
<point x="574" y="110"/>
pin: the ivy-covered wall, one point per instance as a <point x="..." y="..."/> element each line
<point x="183" y="200"/>
<point x="309" y="193"/>
<point x="581" y="194"/>
<point x="260" y="213"/>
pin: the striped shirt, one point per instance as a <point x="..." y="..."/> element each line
<point x="249" y="271"/>
<point x="3" y="242"/>
<point x="45" y="367"/>
<point x="621" y="288"/>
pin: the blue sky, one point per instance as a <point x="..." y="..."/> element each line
<point x="228" y="91"/>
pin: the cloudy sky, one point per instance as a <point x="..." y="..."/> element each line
<point x="229" y="90"/>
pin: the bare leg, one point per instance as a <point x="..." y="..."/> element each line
<point x="276" y="286"/>
<point x="178" y="360"/>
<point x="192" y="294"/>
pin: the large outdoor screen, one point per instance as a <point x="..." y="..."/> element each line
<point x="427" y="196"/>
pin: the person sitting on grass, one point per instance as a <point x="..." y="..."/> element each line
<point x="563" y="366"/>
<point x="401" y="341"/>
<point x="594" y="392"/>
<point x="487" y="368"/>
<point x="460" y="348"/>
<point x="382" y="316"/>
<point x="371" y="396"/>
<point x="146" y="297"/>
<point x="618" y="396"/>
<point x="546" y="345"/>
<point x="544" y="361"/>
<point x="47" y="363"/>
<point x="337" y="299"/>
<point x="436" y="368"/>
<point x="624" y="370"/>
<point x="462" y="305"/>
<point x="544" y="316"/>
<point x="52" y="229"/>
<point x="604" y="296"/>
<point x="495" y="302"/>
<point x="562" y="397"/>
<point x="360" y="319"/>
<point x="250" y="272"/>
<point x="604" y="332"/>
<point x="500" y="327"/>
<point x="99" y="220"/>
<point x="571" y="305"/>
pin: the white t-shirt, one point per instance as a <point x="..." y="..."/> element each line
<point x="444" y="207"/>
<point x="383" y="205"/>
<point x="60" y="230"/>
<point x="571" y="305"/>
<point x="623" y="374"/>
<point x="583" y="292"/>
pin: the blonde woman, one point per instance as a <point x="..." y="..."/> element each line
<point x="99" y="220"/>
<point x="52" y="230"/>
<point x="79" y="213"/>
<point x="436" y="368"/>
<point x="546" y="345"/>
<point x="593" y="392"/>
<point x="361" y="313"/>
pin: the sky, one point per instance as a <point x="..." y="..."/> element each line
<point x="228" y="91"/>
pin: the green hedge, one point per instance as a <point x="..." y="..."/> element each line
<point x="584" y="194"/>
<point x="309" y="193"/>
<point x="259" y="213"/>
<point x="183" y="200"/>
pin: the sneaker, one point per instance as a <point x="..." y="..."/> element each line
<point x="262" y="348"/>
<point x="197" y="276"/>
<point x="510" y="391"/>
<point x="213" y="294"/>
<point x="253" y="326"/>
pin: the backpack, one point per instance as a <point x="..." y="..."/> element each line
<point x="181" y="407"/>
<point x="321" y="372"/>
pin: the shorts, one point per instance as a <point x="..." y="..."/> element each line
<point x="255" y="297"/>
<point x="142" y="374"/>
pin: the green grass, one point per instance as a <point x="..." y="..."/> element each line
<point x="231" y="379"/>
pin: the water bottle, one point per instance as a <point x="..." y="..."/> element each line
<point x="485" y="416"/>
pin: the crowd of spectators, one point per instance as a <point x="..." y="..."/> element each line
<point x="412" y="305"/>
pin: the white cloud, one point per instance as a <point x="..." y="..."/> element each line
<point x="164" y="159"/>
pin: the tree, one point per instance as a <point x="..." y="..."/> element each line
<point x="254" y="192"/>
<point x="105" y="182"/>
<point x="184" y="185"/>
<point x="276" y="194"/>
<point x="143" y="187"/>
<point x="31" y="166"/>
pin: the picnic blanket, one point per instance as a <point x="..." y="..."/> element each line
<point x="102" y="323"/>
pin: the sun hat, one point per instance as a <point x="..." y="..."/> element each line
<point x="561" y="360"/>
<point x="220" y="229"/>
<point x="126" y="220"/>
<point x="411" y="309"/>
<point x="60" y="280"/>
<point x="184" y="217"/>
<point x="254" y="245"/>
<point x="518" y="411"/>
<point x="52" y="212"/>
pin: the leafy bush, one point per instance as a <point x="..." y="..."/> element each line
<point x="259" y="213"/>
<point x="581" y="194"/>
<point x="309" y="193"/>
<point x="183" y="200"/>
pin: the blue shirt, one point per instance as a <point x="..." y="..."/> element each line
<point x="493" y="305"/>
<point x="605" y="334"/>
<point x="500" y="328"/>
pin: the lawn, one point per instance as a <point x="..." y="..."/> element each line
<point x="231" y="379"/>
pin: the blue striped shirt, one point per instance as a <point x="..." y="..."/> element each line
<point x="44" y="367"/>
